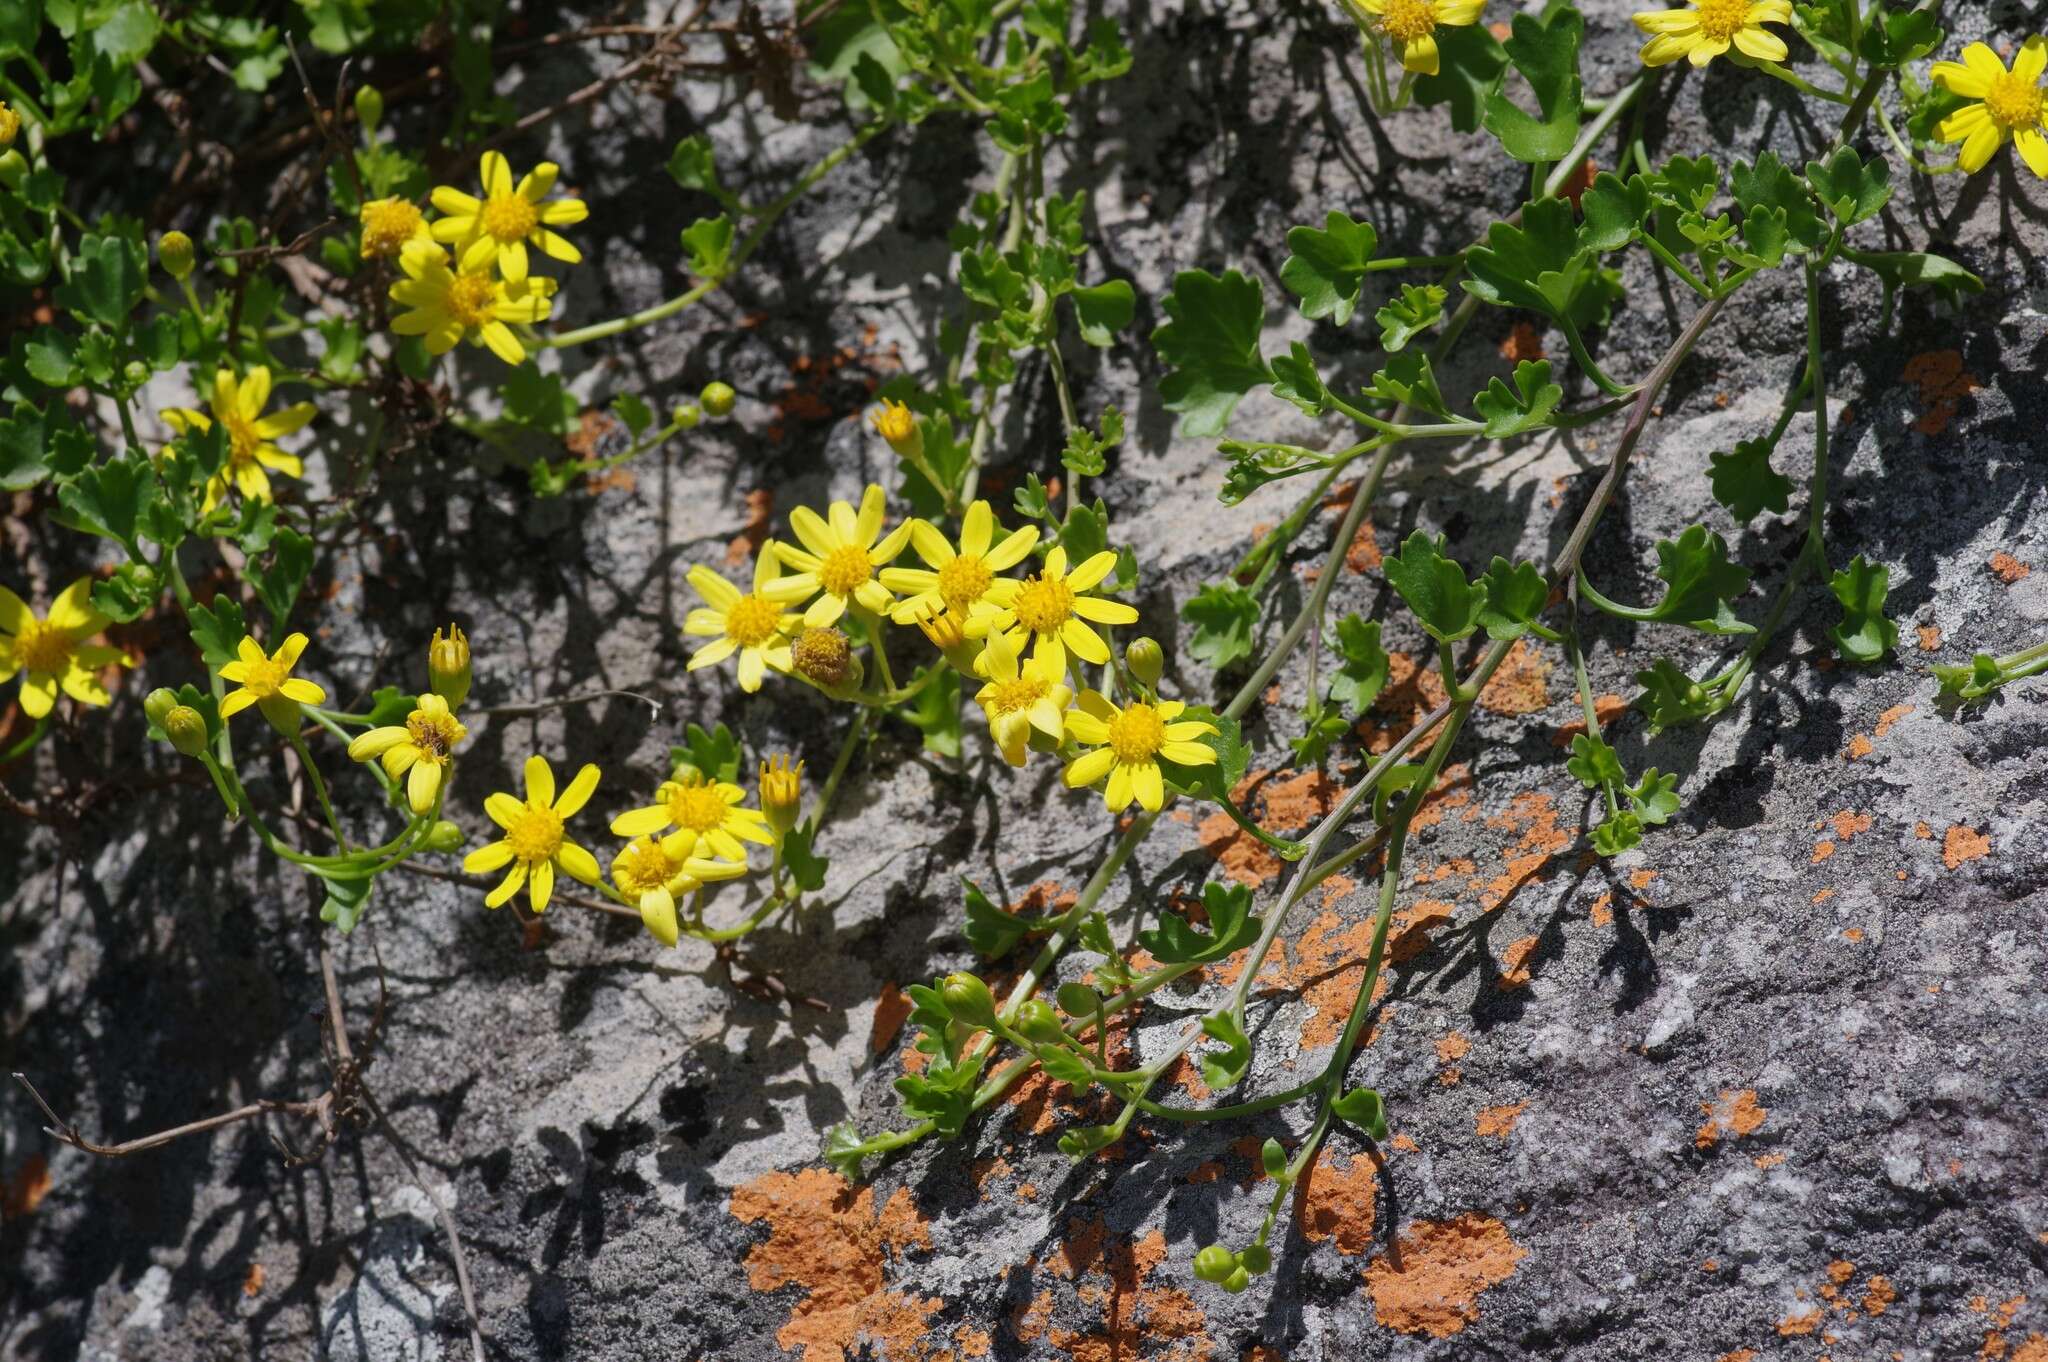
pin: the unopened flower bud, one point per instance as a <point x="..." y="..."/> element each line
<point x="135" y="372"/>
<point x="369" y="107"/>
<point x="968" y="999"/>
<point x="1237" y="1281"/>
<point x="1214" y="1263"/>
<point x="448" y="666"/>
<point x="824" y="656"/>
<point x="718" y="398"/>
<point x="13" y="169"/>
<point x="782" y="793"/>
<point x="1076" y="999"/>
<point x="948" y="633"/>
<point x="159" y="703"/>
<point x="1146" y="659"/>
<point x="186" y="729"/>
<point x="174" y="252"/>
<point x="898" y="425"/>
<point x="1256" y="1259"/>
<point x="1037" y="1021"/>
<point x="687" y="415"/>
<point x="10" y="122"/>
<point x="444" y="836"/>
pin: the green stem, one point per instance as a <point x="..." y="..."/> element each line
<point x="1804" y="86"/>
<point x="319" y="790"/>
<point x="822" y="805"/>
<point x="35" y="735"/>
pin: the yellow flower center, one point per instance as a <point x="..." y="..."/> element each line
<point x="845" y="568"/>
<point x="1137" y="734"/>
<point x="752" y="621"/>
<point x="387" y="225"/>
<point x="1044" y="604"/>
<point x="472" y="299"/>
<point x="434" y="735"/>
<point x="962" y="582"/>
<point x="1407" y="20"/>
<point x="1021" y="694"/>
<point x="511" y="218"/>
<point x="535" y="834"/>
<point x="264" y="679"/>
<point x="895" y="422"/>
<point x="643" y="866"/>
<point x="43" y="648"/>
<point x="1723" y="19"/>
<point x="700" y="808"/>
<point x="2012" y="102"/>
<point x="242" y="442"/>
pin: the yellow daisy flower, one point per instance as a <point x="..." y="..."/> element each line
<point x="251" y="434"/>
<point x="424" y="746"/>
<point x="1411" y="25"/>
<point x="1128" y="744"/>
<point x="1053" y="607"/>
<point x="843" y="555"/>
<point x="268" y="683"/>
<point x="447" y="307"/>
<point x="1021" y="698"/>
<point x="498" y="227"/>
<point x="756" y="624"/>
<point x="2009" y="104"/>
<point x="646" y="874"/>
<point x="1710" y="27"/>
<point x="390" y="225"/>
<point x="705" y="814"/>
<point x="534" y="844"/>
<point x="51" y="653"/>
<point x="964" y="581"/>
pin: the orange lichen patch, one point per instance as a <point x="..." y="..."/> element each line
<point x="1453" y="1047"/>
<point x="1930" y="638"/>
<point x="1800" y="1322"/>
<point x="1027" y="1322"/>
<point x="2008" y="569"/>
<point x="1606" y="708"/>
<point x="892" y="1009"/>
<point x="970" y="1342"/>
<point x="1525" y="342"/>
<point x="1534" y="817"/>
<point x="1189" y="1077"/>
<point x="1602" y="911"/>
<point x="816" y="397"/>
<point x="1027" y="1191"/>
<point x="1044" y="898"/>
<point x="1292" y="805"/>
<point x="1710" y="1266"/>
<point x="1852" y="934"/>
<point x="827" y="1237"/>
<point x="1640" y="879"/>
<point x="1137" y="1319"/>
<point x="1259" y="1352"/>
<point x="1822" y="851"/>
<point x="1823" y="896"/>
<point x="1408" y="931"/>
<point x="21" y="1193"/>
<point x="1364" y="554"/>
<point x="1768" y="1161"/>
<point x="1404" y="1144"/>
<point x="1737" y="1113"/>
<point x="2035" y="1349"/>
<point x="1279" y="806"/>
<point x="1859" y="747"/>
<point x="1336" y="889"/>
<point x="252" y="1281"/>
<point x="1520" y="686"/>
<point x="1878" y="1295"/>
<point x="1328" y="966"/>
<point x="1240" y="855"/>
<point x="1962" y="844"/>
<point x="1943" y="386"/>
<point x="1923" y="832"/>
<point x="1208" y="1170"/>
<point x="591" y="428"/>
<point x="1515" y="969"/>
<point x="1848" y="822"/>
<point x="1739" y="1355"/>
<point x="981" y="1170"/>
<point x="1499" y="1122"/>
<point x="1432" y="1286"/>
<point x="754" y="533"/>
<point x="1338" y="1203"/>
<point x="1890" y="717"/>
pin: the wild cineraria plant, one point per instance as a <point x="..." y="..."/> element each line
<point x="919" y="597"/>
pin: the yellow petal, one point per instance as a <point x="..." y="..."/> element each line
<point x="540" y="782"/>
<point x="578" y="794"/>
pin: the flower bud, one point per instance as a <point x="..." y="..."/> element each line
<point x="1146" y="659"/>
<point x="13" y="169"/>
<point x="1237" y="1281"/>
<point x="369" y="107"/>
<point x="444" y="836"/>
<point x="174" y="252"/>
<point x="782" y="793"/>
<point x="10" y="121"/>
<point x="947" y="632"/>
<point x="186" y="729"/>
<point x="1036" y="1021"/>
<point x="135" y="372"/>
<point x="824" y="656"/>
<point x="448" y="666"/>
<point x="159" y="703"/>
<point x="1214" y="1263"/>
<point x="969" y="1000"/>
<point x="687" y="415"/>
<point x="1256" y="1259"/>
<point x="717" y="398"/>
<point x="898" y="425"/>
<point x="1078" y="1000"/>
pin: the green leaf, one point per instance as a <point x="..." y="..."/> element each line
<point x="1434" y="586"/>
<point x="1622" y="832"/>
<point x="1546" y="52"/>
<point x="1770" y="185"/>
<point x="1212" y="345"/>
<point x="1918" y="269"/>
<point x="714" y="755"/>
<point x="1362" y="1107"/>
<point x="1408" y="378"/>
<point x="1365" y="669"/>
<point x="1852" y="189"/>
<point x="1594" y="763"/>
<point x="1516" y="593"/>
<point x="132" y="589"/>
<point x="1082" y="1141"/>
<point x="108" y="500"/>
<point x="843" y="1151"/>
<point x="126" y="33"/>
<point x="937" y="714"/>
<point x="990" y="930"/>
<point x="1527" y="408"/>
<point x="347" y="900"/>
<point x="1295" y="379"/>
<point x="1746" y="483"/>
<point x="1979" y="678"/>
<point x="1064" y="1066"/>
<point x="218" y="629"/>
<point x="279" y="582"/>
<point x="877" y="83"/>
<point x="1655" y="797"/>
<point x="634" y="413"/>
<point x="1899" y="36"/>
<point x="1689" y="182"/>
<point x="1104" y="309"/>
<point x="1231" y="928"/>
<point x="806" y="868"/>
<point x="709" y="244"/>
<point x="1538" y="265"/>
<point x="1086" y="452"/>
<point x="1110" y="971"/>
<point x="50" y="359"/>
<point x="946" y="1108"/>
<point x="1215" y="780"/>
<point x="1615" y="211"/>
<point x="1671" y="698"/>
<point x="1396" y="784"/>
<point x="390" y="706"/>
<point x="1699" y="584"/>
<point x="1224" y="616"/>
<point x="1470" y="64"/>
<point x="1864" y="635"/>
<point x="20" y="21"/>
<point x="1225" y="1070"/>
<point x="1322" y="726"/>
<point x="1402" y="319"/>
<point x="35" y="445"/>
<point x="1327" y="268"/>
<point x="693" y="166"/>
<point x="107" y="278"/>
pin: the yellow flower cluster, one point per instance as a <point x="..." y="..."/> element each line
<point x="486" y="287"/>
<point x="1023" y="638"/>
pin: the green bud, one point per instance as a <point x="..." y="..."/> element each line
<point x="718" y="398"/>
<point x="1037" y="1021"/>
<point x="1237" y="1281"/>
<point x="186" y="729"/>
<point x="175" y="253"/>
<point x="13" y="169"/>
<point x="968" y="999"/>
<point x="1257" y="1260"/>
<point x="369" y="107"/>
<point x="444" y="836"/>
<point x="1273" y="1158"/>
<point x="135" y="372"/>
<point x="1214" y="1263"/>
<point x="1078" y="1000"/>
<point x="159" y="703"/>
<point x="1146" y="659"/>
<point x="687" y="415"/>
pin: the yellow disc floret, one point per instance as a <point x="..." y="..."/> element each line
<point x="753" y="620"/>
<point x="388" y="224"/>
<point x="1407" y="20"/>
<point x="1044" y="604"/>
<point x="2013" y="102"/>
<point x="509" y="217"/>
<point x="845" y="569"/>
<point x="43" y="647"/>
<point x="1722" y="18"/>
<point x="535" y="835"/>
<point x="963" y="581"/>
<point x="694" y="805"/>
<point x="1136" y="734"/>
<point x="472" y="299"/>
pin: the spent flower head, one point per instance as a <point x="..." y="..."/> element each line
<point x="1128" y="744"/>
<point x="421" y="749"/>
<point x="252" y="436"/>
<point x="535" y="845"/>
<point x="1711" y="27"/>
<point x="497" y="228"/>
<point x="51" y="653"/>
<point x="2009" y="105"/>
